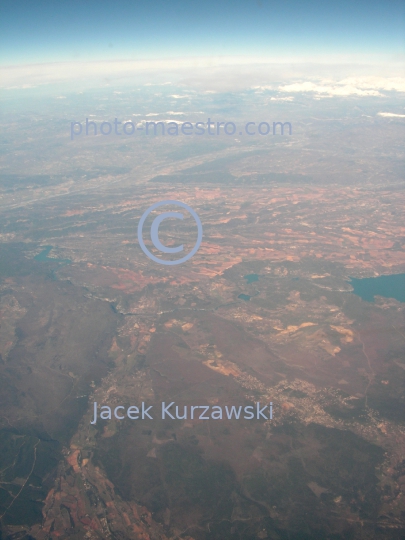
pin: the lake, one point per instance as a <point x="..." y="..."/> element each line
<point x="392" y="286"/>
<point x="251" y="278"/>
<point x="43" y="256"/>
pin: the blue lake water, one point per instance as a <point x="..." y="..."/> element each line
<point x="245" y="297"/>
<point x="387" y="286"/>
<point x="251" y="278"/>
<point x="43" y="256"/>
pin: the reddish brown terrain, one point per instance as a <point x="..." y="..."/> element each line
<point x="265" y="311"/>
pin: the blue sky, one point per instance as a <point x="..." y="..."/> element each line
<point x="34" y="31"/>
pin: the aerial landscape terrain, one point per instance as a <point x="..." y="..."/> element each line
<point x="202" y="270"/>
<point x="270" y="309"/>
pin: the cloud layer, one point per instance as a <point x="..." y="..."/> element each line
<point x="350" y="86"/>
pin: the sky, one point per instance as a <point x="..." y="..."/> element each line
<point x="42" y="31"/>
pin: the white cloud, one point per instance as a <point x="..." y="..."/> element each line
<point x="391" y="115"/>
<point x="289" y="98"/>
<point x="174" y="113"/>
<point x="267" y="87"/>
<point x="337" y="90"/>
<point x="210" y="75"/>
<point x="350" y="86"/>
<point x="383" y="83"/>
